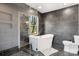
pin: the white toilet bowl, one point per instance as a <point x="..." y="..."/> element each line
<point x="70" y="47"/>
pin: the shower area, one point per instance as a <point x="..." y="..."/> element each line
<point x="28" y="26"/>
<point x="24" y="26"/>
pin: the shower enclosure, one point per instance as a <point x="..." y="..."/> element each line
<point x="28" y="26"/>
<point x="24" y="26"/>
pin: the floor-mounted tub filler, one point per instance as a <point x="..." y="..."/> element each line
<point x="42" y="43"/>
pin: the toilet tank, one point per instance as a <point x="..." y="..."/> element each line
<point x="76" y="39"/>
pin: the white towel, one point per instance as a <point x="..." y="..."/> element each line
<point x="49" y="51"/>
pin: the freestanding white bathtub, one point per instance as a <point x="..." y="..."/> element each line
<point x="41" y="42"/>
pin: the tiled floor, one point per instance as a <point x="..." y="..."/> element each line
<point x="62" y="53"/>
<point x="25" y="52"/>
<point x="21" y="53"/>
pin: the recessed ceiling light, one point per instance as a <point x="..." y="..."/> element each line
<point x="39" y="7"/>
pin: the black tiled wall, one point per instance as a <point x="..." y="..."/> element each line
<point x="62" y="23"/>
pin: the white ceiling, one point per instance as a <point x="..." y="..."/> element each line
<point x="47" y="7"/>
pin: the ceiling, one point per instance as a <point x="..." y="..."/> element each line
<point x="47" y="7"/>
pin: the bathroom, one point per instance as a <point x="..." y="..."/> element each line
<point x="61" y="24"/>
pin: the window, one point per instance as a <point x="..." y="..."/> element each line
<point x="33" y="25"/>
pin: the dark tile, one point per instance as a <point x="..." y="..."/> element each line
<point x="9" y="51"/>
<point x="63" y="53"/>
<point x="21" y="53"/>
<point x="28" y="52"/>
